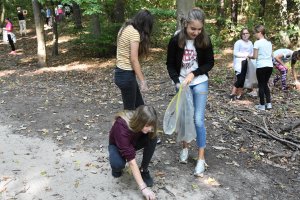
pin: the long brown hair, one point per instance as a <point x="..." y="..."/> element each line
<point x="138" y="119"/>
<point x="202" y="40"/>
<point x="143" y="23"/>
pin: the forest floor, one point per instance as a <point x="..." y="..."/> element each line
<point x="54" y="125"/>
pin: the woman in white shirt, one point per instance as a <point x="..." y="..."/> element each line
<point x="262" y="52"/>
<point x="242" y="49"/>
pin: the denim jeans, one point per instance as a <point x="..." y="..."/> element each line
<point x="117" y="162"/>
<point x="200" y="93"/>
<point x="131" y="94"/>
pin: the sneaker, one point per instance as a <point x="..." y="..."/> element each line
<point x="184" y="154"/>
<point x="239" y="97"/>
<point x="116" y="174"/>
<point x="147" y="178"/>
<point x="200" y="168"/>
<point x="13" y="53"/>
<point x="260" y="107"/>
<point x="253" y="93"/>
<point x="232" y="97"/>
<point x="269" y="106"/>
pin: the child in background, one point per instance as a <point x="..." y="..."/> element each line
<point x="242" y="49"/>
<point x="280" y="58"/>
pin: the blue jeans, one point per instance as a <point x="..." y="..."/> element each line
<point x="200" y="93"/>
<point x="131" y="95"/>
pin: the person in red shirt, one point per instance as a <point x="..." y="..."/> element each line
<point x="9" y="30"/>
<point x="131" y="131"/>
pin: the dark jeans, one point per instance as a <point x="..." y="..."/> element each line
<point x="240" y="78"/>
<point x="131" y="94"/>
<point x="117" y="162"/>
<point x="11" y="42"/>
<point x="263" y="76"/>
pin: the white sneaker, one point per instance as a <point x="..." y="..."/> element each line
<point x="253" y="93"/>
<point x="184" y="154"/>
<point x="260" y="107"/>
<point x="200" y="168"/>
<point x="269" y="106"/>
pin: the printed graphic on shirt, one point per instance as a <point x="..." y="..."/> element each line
<point x="189" y="58"/>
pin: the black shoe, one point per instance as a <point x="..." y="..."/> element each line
<point x="232" y="97"/>
<point x="147" y="178"/>
<point x="116" y="174"/>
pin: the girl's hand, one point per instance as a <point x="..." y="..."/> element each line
<point x="144" y="86"/>
<point x="188" y="79"/>
<point x="148" y="194"/>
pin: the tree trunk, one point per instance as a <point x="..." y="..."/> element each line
<point x="119" y="10"/>
<point x="77" y="16"/>
<point x="284" y="36"/>
<point x="220" y="13"/>
<point x="183" y="7"/>
<point x="96" y="31"/>
<point x="2" y="11"/>
<point x="234" y="11"/>
<point x="54" y="30"/>
<point x="262" y="8"/>
<point x="39" y="27"/>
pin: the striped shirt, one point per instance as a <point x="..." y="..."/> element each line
<point x="129" y="35"/>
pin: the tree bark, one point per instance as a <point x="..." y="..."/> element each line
<point x="234" y="11"/>
<point x="262" y="8"/>
<point x="77" y="15"/>
<point x="220" y="13"/>
<point x="96" y="31"/>
<point x="54" y="30"/>
<point x="183" y="7"/>
<point x="118" y="12"/>
<point x="39" y="27"/>
<point x="2" y="11"/>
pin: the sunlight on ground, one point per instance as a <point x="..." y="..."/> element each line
<point x="6" y="72"/>
<point x="70" y="67"/>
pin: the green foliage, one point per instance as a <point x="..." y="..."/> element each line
<point x="104" y="46"/>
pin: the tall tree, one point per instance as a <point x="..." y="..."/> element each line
<point x="77" y="15"/>
<point x="220" y="13"/>
<point x="183" y="6"/>
<point x="96" y="29"/>
<point x="284" y="36"/>
<point x="234" y="11"/>
<point x="119" y="11"/>
<point x="39" y="27"/>
<point x="262" y="8"/>
<point x="2" y="11"/>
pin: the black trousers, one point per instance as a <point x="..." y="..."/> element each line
<point x="11" y="42"/>
<point x="240" y="78"/>
<point x="263" y="76"/>
<point x="117" y="162"/>
<point x="127" y="83"/>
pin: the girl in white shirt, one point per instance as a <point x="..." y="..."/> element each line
<point x="242" y="49"/>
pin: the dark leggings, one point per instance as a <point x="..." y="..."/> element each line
<point x="240" y="78"/>
<point x="117" y="162"/>
<point x="131" y="95"/>
<point x="263" y="76"/>
<point x="11" y="42"/>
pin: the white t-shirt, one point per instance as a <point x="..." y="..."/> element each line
<point x="190" y="63"/>
<point x="241" y="51"/>
<point x="264" y="58"/>
<point x="287" y="54"/>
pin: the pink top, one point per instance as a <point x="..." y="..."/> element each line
<point x="60" y="11"/>
<point x="9" y="27"/>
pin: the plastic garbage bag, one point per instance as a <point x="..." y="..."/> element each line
<point x="251" y="80"/>
<point x="179" y="116"/>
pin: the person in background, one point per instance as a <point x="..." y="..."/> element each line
<point x="48" y="16"/>
<point x="262" y="52"/>
<point x="280" y="58"/>
<point x="133" y="42"/>
<point x="22" y="22"/>
<point x="242" y="49"/>
<point x="10" y="35"/>
<point x="189" y="59"/>
<point x="131" y="131"/>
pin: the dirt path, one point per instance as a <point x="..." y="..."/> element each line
<point x="54" y="125"/>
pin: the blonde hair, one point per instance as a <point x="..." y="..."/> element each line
<point x="141" y="117"/>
